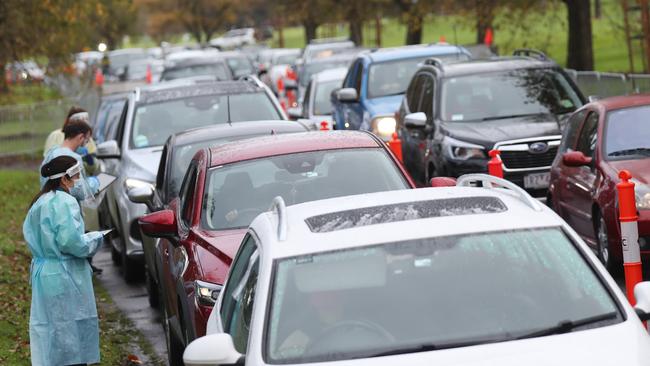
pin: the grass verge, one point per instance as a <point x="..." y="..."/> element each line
<point x="118" y="337"/>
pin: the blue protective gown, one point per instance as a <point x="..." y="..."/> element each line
<point x="63" y="326"/>
<point x="57" y="151"/>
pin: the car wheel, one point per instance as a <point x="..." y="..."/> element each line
<point x="604" y="252"/>
<point x="174" y="347"/>
<point x="152" y="289"/>
<point x="115" y="255"/>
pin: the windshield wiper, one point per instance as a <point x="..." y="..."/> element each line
<point x="645" y="151"/>
<point x="510" y="116"/>
<point x="567" y="326"/>
<point x="434" y="347"/>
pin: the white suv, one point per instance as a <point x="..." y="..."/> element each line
<point x="436" y="276"/>
<point x="234" y="38"/>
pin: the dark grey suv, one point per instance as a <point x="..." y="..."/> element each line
<point x="453" y="114"/>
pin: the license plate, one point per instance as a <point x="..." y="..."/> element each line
<point x="537" y="180"/>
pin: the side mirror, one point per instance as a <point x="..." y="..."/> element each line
<point x="415" y="120"/>
<point x="593" y="98"/>
<point x="347" y="95"/>
<point x="159" y="224"/>
<point x="575" y="159"/>
<point x="642" y="296"/>
<point x="213" y="349"/>
<point x="442" y="182"/>
<point x="141" y="195"/>
<point x="108" y="150"/>
<point x="294" y="112"/>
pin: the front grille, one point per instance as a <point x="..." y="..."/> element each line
<point x="526" y="159"/>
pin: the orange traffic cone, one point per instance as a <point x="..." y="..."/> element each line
<point x="99" y="77"/>
<point x="395" y="145"/>
<point x="442" y="39"/>
<point x="149" y="76"/>
<point x="489" y="37"/>
<point x="495" y="165"/>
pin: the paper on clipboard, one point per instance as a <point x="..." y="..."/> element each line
<point x="105" y="180"/>
<point x="104" y="232"/>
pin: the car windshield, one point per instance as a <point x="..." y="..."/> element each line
<point x="154" y="123"/>
<point x="393" y="77"/>
<point x="122" y="59"/>
<point x="218" y="70"/>
<point x="316" y="67"/>
<point x="504" y="94"/>
<point x="429" y="294"/>
<point x="240" y="66"/>
<point x="322" y="104"/>
<point x="235" y="194"/>
<point x="627" y="135"/>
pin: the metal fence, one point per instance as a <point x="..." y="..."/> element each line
<point x="608" y="84"/>
<point x="24" y="127"/>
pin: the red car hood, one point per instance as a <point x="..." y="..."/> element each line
<point x="215" y="252"/>
<point x="639" y="168"/>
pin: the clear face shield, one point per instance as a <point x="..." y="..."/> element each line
<point x="81" y="190"/>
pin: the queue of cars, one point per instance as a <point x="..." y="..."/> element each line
<point x="231" y="210"/>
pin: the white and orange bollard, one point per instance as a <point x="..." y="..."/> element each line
<point x="495" y="165"/>
<point x="629" y="234"/>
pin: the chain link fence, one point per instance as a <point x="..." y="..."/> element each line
<point x="24" y="127"/>
<point x="609" y="84"/>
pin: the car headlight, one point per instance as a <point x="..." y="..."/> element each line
<point x="642" y="195"/>
<point x="462" y="150"/>
<point x="131" y="183"/>
<point x="206" y="293"/>
<point x="383" y="126"/>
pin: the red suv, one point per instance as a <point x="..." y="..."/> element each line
<point x="226" y="187"/>
<point x="601" y="139"/>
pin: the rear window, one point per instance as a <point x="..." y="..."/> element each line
<point x="218" y="70"/>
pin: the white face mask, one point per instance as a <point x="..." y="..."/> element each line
<point x="77" y="190"/>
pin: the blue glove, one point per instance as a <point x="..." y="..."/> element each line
<point x="82" y="151"/>
<point x="88" y="159"/>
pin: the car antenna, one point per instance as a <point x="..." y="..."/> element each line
<point x="228" y="103"/>
<point x="456" y="43"/>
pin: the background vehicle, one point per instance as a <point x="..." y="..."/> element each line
<point x="119" y="59"/>
<point x="107" y="117"/>
<point x="600" y="140"/>
<point x="234" y="38"/>
<point x="197" y="67"/>
<point x="226" y="187"/>
<point x="316" y="106"/>
<point x="318" y="48"/>
<point x="137" y="70"/>
<point x="453" y="114"/>
<point x="373" y="88"/>
<point x="317" y="65"/>
<point x="150" y="116"/>
<point x="239" y="64"/>
<point x="522" y="280"/>
<point x="176" y="156"/>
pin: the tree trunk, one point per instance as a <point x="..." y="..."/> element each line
<point x="597" y="9"/>
<point x="378" y="31"/>
<point x="4" y="88"/>
<point x="484" y="18"/>
<point x="355" y="20"/>
<point x="310" y="30"/>
<point x="580" y="54"/>
<point x="280" y="35"/>
<point x="414" y="29"/>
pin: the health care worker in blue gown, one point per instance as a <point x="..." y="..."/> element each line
<point x="76" y="134"/>
<point x="63" y="325"/>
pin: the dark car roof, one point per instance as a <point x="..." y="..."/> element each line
<point x="225" y="130"/>
<point x="289" y="144"/>
<point x="494" y="64"/>
<point x="625" y="101"/>
<point x="184" y="90"/>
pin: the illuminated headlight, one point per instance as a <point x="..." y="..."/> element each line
<point x="206" y="293"/>
<point x="383" y="126"/>
<point x="642" y="195"/>
<point x="462" y="150"/>
<point x="131" y="183"/>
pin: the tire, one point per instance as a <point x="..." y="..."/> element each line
<point x="115" y="256"/>
<point x="174" y="347"/>
<point x="152" y="290"/>
<point x="604" y="248"/>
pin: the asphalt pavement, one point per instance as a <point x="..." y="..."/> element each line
<point x="131" y="299"/>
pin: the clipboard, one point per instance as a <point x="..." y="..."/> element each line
<point x="105" y="180"/>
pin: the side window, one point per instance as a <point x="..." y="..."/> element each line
<point x="588" y="135"/>
<point x="244" y="297"/>
<point x="348" y="82"/>
<point x="121" y="123"/>
<point x="235" y="276"/>
<point x="426" y="104"/>
<point x="305" y="101"/>
<point x="187" y="195"/>
<point x="357" y="78"/>
<point x="160" y="177"/>
<point x="415" y="93"/>
<point x="571" y="130"/>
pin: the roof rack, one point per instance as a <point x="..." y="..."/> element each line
<point x="280" y="208"/>
<point x="529" y="52"/>
<point x="492" y="182"/>
<point x="433" y="61"/>
<point x="252" y="79"/>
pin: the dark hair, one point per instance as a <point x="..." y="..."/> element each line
<point x="73" y="110"/>
<point x="55" y="166"/>
<point x="74" y="128"/>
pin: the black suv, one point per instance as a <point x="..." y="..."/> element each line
<point x="453" y="114"/>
